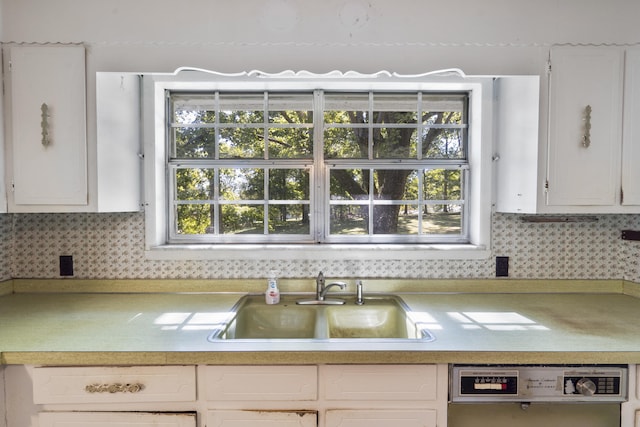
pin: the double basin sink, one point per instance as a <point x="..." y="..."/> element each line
<point x="383" y="317"/>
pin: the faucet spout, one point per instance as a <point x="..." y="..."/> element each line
<point x="321" y="292"/>
<point x="324" y="291"/>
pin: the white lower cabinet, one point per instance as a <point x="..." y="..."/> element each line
<point x="325" y="395"/>
<point x="226" y="396"/>
<point x="384" y="395"/>
<point x="58" y="385"/>
<point x="262" y="418"/>
<point x="132" y="396"/>
<point x="381" y="418"/>
<point x="259" y="383"/>
<point x="115" y="419"/>
<point x="630" y="410"/>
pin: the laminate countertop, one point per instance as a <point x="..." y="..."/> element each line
<point x="120" y="323"/>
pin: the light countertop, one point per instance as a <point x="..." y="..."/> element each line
<point x="77" y="323"/>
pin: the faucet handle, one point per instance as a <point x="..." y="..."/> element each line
<point x="359" y="292"/>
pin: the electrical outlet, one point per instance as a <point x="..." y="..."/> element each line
<point x="502" y="266"/>
<point x="66" y="265"/>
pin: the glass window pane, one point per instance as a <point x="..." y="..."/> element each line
<point x="290" y="143"/>
<point x="349" y="184"/>
<point x="443" y="184"/>
<point x="395" y="108"/>
<point x="442" y="219"/>
<point x="344" y="143"/>
<point x="443" y="143"/>
<point x="346" y="108"/>
<point x="395" y="143"/>
<point x="408" y="219"/>
<point x="194" y="219"/>
<point x="439" y="109"/>
<point x="194" y="184"/>
<point x="242" y="219"/>
<point x="349" y="219"/>
<point x="242" y="184"/>
<point x="193" y="109"/>
<point x="289" y="219"/>
<point x="391" y="184"/>
<point x="242" y="108"/>
<point x="288" y="184"/>
<point x="192" y="143"/>
<point x="291" y="109"/>
<point x="239" y="143"/>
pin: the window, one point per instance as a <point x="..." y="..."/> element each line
<point x="269" y="160"/>
<point x="386" y="167"/>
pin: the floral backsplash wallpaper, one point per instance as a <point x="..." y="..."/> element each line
<point x="111" y="246"/>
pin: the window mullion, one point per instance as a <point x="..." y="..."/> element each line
<point x="265" y="124"/>
<point x="216" y="200"/>
<point x="370" y="127"/>
<point x="420" y="132"/>
<point x="320" y="179"/>
<point x="216" y="102"/>
<point x="265" y="214"/>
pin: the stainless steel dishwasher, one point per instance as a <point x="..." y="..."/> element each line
<point x="527" y="396"/>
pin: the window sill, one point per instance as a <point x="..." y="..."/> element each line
<point x="317" y="252"/>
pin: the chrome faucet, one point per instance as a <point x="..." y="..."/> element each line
<point x="322" y="288"/>
<point x="321" y="292"/>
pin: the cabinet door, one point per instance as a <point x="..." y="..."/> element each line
<point x="259" y="383"/>
<point x="631" y="129"/>
<point x="585" y="126"/>
<point x="262" y="418"/>
<point x="116" y="419"/>
<point x="47" y="130"/>
<point x="381" y="418"/>
<point x="59" y="385"/>
<point x="380" y="382"/>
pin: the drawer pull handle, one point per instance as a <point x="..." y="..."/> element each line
<point x="44" y="115"/>
<point x="586" y="137"/>
<point x="114" y="388"/>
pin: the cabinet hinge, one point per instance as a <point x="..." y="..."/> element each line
<point x="546" y="185"/>
<point x="549" y="67"/>
<point x="621" y="196"/>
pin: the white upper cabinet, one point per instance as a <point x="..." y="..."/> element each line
<point x="586" y="162"/>
<point x="585" y="126"/>
<point x="52" y="163"/>
<point x="631" y="129"/>
<point x="46" y="133"/>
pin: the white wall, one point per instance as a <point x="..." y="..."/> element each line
<point x="479" y="36"/>
<point x="406" y="36"/>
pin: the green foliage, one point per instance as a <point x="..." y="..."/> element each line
<point x="245" y="133"/>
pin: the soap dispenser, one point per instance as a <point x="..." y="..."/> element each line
<point x="272" y="295"/>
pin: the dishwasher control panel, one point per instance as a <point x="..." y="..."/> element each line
<point x="538" y="383"/>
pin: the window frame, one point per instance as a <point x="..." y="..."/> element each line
<point x="479" y="196"/>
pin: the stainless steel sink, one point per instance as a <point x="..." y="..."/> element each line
<point x="381" y="317"/>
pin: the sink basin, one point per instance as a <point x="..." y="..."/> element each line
<point x="377" y="318"/>
<point x="381" y="317"/>
<point x="256" y="320"/>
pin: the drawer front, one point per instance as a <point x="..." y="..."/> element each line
<point x="115" y="419"/>
<point x="262" y="418"/>
<point x="379" y="382"/>
<point x="114" y="385"/>
<point x="260" y="383"/>
<point x="381" y="418"/>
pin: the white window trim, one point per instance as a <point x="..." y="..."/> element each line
<point x="480" y="191"/>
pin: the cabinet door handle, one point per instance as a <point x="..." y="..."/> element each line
<point x="44" y="109"/>
<point x="114" y="388"/>
<point x="586" y="137"/>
